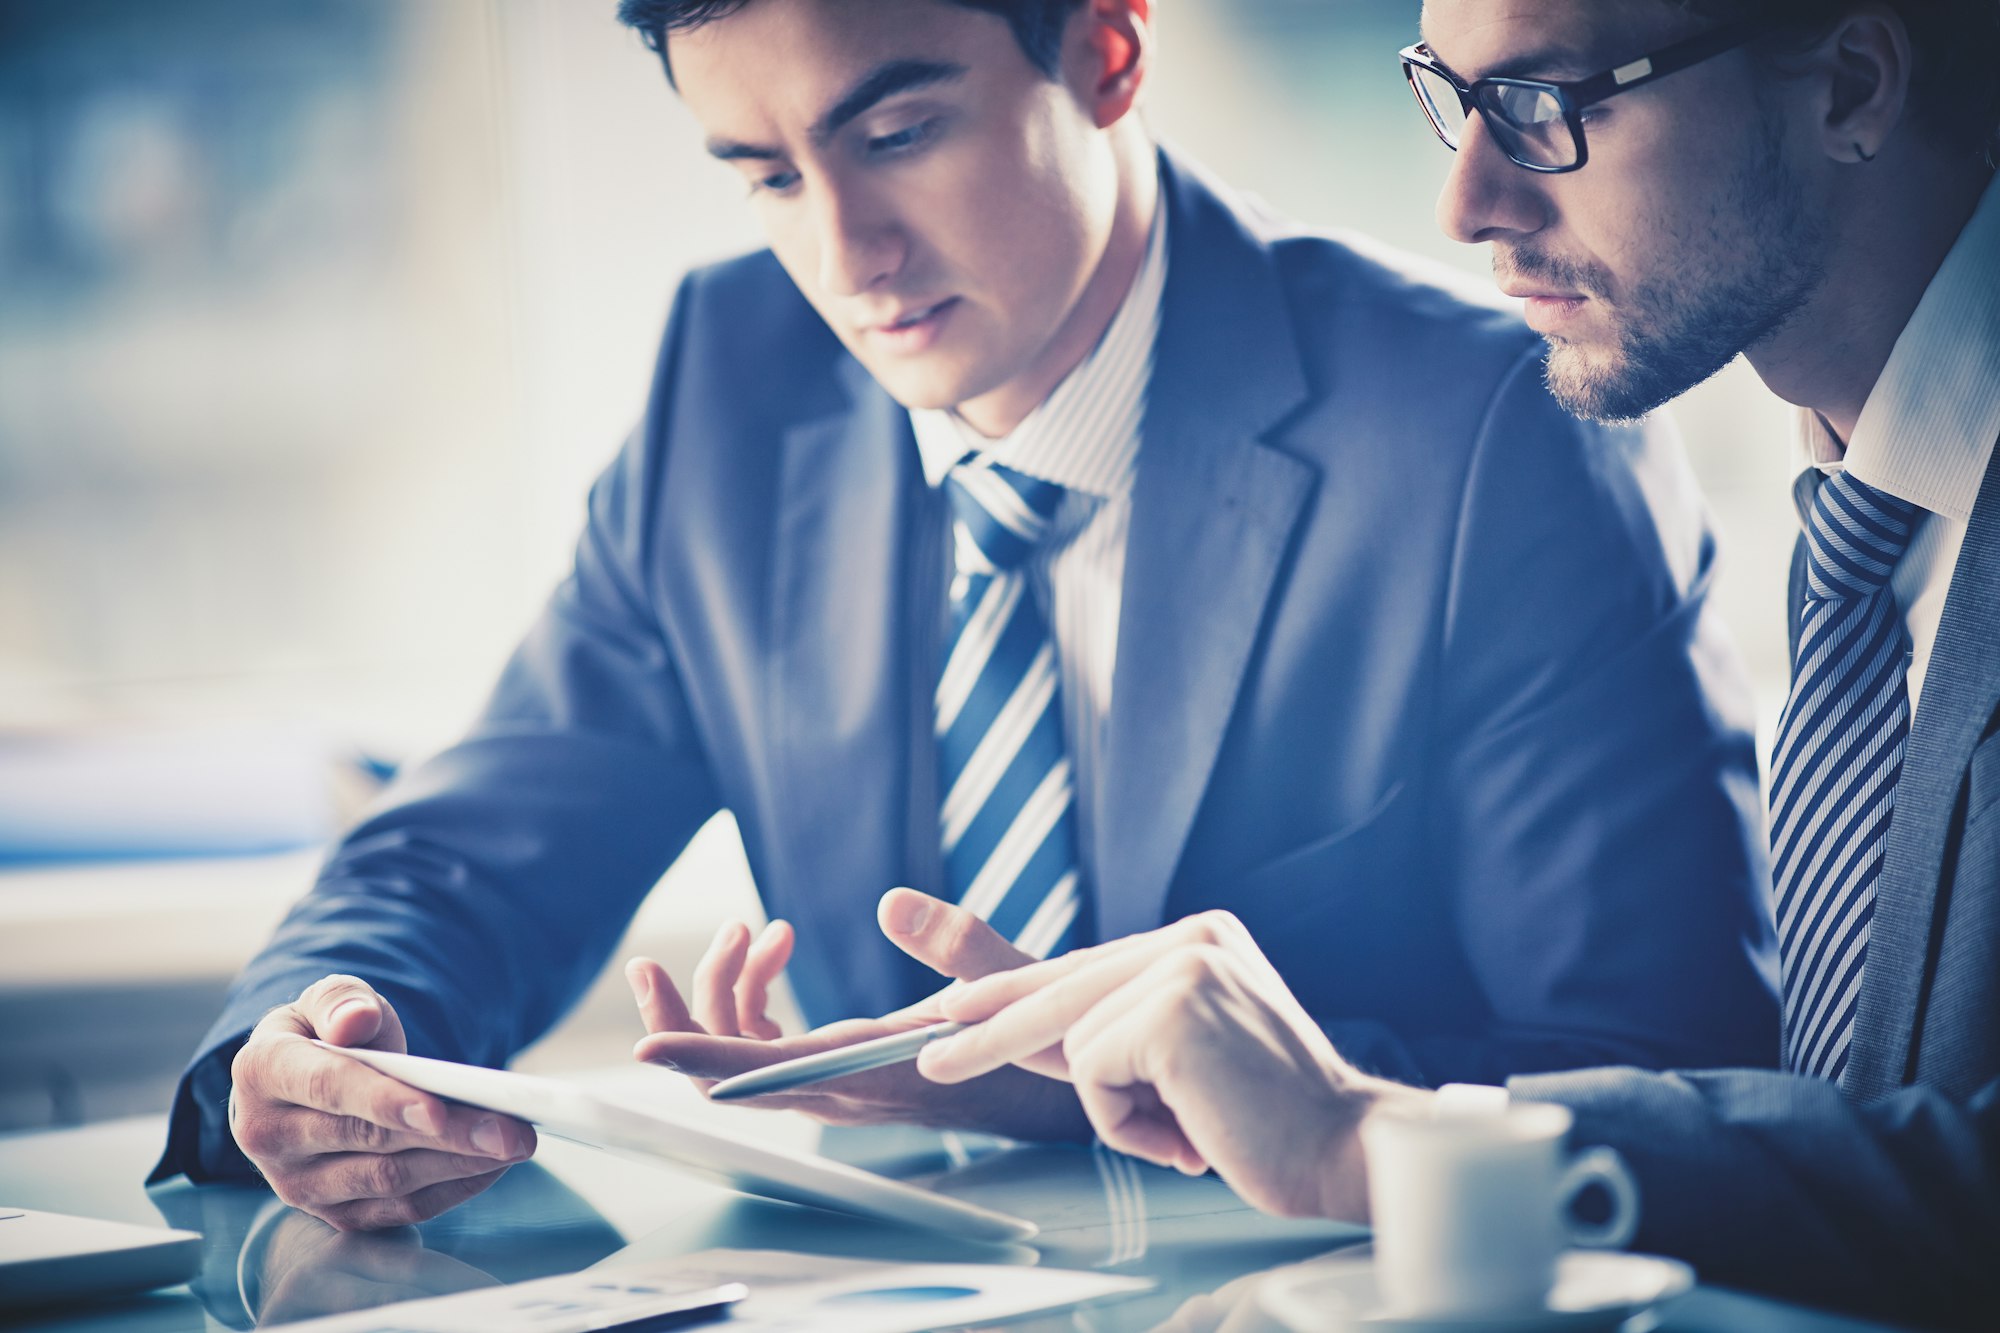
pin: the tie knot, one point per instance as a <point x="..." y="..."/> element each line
<point x="999" y="515"/>
<point x="1855" y="537"/>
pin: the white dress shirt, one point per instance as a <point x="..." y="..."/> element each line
<point x="1927" y="430"/>
<point x="1085" y="438"/>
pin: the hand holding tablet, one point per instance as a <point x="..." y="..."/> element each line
<point x="569" y="1112"/>
<point x="338" y="1140"/>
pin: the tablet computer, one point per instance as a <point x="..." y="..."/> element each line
<point x="569" y="1112"/>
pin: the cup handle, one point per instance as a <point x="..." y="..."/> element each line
<point x="1600" y="1166"/>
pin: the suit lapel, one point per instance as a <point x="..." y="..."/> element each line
<point x="1213" y="511"/>
<point x="1960" y="693"/>
<point x="847" y="556"/>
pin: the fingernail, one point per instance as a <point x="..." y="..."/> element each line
<point x="420" y="1118"/>
<point x="486" y="1137"/>
<point x="348" y="1007"/>
<point x="642" y="984"/>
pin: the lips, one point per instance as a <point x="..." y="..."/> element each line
<point x="1546" y="312"/>
<point x="915" y="329"/>
<point x="909" y="319"/>
<point x="1539" y="293"/>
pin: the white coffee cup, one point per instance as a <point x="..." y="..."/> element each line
<point x="1471" y="1211"/>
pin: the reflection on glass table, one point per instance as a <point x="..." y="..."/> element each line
<point x="266" y="1264"/>
<point x="306" y="1269"/>
<point x="1205" y="1252"/>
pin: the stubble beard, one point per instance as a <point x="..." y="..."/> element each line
<point x="1727" y="282"/>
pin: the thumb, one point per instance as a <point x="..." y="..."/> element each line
<point x="945" y="937"/>
<point x="346" y="1011"/>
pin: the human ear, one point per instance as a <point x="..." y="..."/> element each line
<point x="1116" y="52"/>
<point x="1864" y="66"/>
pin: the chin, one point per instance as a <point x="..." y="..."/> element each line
<point x="1590" y="387"/>
<point x="920" y="399"/>
<point x="925" y="387"/>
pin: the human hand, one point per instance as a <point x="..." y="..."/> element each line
<point x="1187" y="1050"/>
<point x="308" y="1269"/>
<point x="729" y="1031"/>
<point x="351" y="1146"/>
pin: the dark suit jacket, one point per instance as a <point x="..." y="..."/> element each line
<point x="1415" y="674"/>
<point x="1881" y="1196"/>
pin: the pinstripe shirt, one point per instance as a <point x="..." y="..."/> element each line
<point x="1085" y="438"/>
<point x="1927" y="431"/>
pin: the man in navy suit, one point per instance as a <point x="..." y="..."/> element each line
<point x="1038" y="526"/>
<point x="1810" y="183"/>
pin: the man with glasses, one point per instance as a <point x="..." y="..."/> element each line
<point x="1809" y="183"/>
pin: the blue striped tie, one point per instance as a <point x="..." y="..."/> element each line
<point x="1009" y="814"/>
<point x="1839" y="754"/>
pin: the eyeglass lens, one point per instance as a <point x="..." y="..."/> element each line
<point x="1440" y="102"/>
<point x="1527" y="122"/>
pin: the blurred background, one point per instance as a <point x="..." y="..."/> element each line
<point x="317" y="318"/>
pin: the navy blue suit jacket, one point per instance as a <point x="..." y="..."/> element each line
<point x="1880" y="1196"/>
<point x="1415" y="674"/>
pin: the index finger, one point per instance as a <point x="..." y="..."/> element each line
<point x="297" y="1071"/>
<point x="1016" y="1032"/>
<point x="979" y="1000"/>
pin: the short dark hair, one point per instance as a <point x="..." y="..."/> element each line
<point x="1955" y="79"/>
<point x="1038" y="24"/>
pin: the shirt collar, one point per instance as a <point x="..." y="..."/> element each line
<point x="1084" y="436"/>
<point x="1926" y="433"/>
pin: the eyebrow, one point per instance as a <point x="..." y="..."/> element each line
<point x="878" y="85"/>
<point x="1552" y="63"/>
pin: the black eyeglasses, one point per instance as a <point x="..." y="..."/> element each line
<point x="1539" y="124"/>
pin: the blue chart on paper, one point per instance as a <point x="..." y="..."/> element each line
<point x="902" y="1295"/>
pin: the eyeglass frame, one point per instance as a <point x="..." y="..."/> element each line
<point x="1573" y="96"/>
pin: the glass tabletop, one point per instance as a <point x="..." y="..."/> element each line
<point x="1206" y="1252"/>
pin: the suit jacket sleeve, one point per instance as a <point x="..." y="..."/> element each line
<point x="1777" y="1183"/>
<point x="1598" y="817"/>
<point x="486" y="890"/>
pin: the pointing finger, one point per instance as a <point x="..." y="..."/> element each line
<point x="1037" y="1022"/>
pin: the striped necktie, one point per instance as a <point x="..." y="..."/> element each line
<point x="1008" y="819"/>
<point x="1838" y="756"/>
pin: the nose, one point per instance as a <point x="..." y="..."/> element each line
<point x="860" y="243"/>
<point x="1487" y="196"/>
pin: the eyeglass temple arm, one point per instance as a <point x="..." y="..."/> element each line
<point x="1669" y="60"/>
